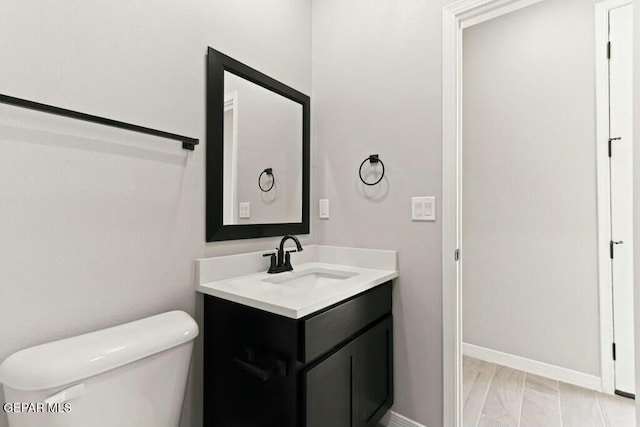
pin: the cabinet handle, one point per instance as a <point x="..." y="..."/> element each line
<point x="252" y="370"/>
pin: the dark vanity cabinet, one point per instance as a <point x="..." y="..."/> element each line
<point x="354" y="385"/>
<point x="333" y="368"/>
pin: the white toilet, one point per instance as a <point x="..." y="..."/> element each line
<point x="131" y="375"/>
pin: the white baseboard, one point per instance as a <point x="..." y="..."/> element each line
<point x="393" y="419"/>
<point x="533" y="367"/>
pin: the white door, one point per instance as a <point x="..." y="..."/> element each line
<point x="621" y="170"/>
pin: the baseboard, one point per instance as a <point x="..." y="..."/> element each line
<point x="393" y="419"/>
<point x="533" y="367"/>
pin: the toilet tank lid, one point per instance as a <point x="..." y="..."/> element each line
<point x="74" y="359"/>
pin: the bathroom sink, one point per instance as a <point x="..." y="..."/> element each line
<point x="340" y="274"/>
<point x="312" y="278"/>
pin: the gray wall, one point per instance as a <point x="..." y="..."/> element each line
<point x="377" y="89"/>
<point x="98" y="226"/>
<point x="529" y="229"/>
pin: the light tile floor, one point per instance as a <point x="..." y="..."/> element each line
<point x="497" y="396"/>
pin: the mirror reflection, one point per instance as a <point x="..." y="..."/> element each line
<point x="263" y="143"/>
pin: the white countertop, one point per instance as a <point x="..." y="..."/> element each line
<point x="296" y="301"/>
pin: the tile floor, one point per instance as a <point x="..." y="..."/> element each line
<point x="497" y="396"/>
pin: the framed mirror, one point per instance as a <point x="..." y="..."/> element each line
<point x="257" y="165"/>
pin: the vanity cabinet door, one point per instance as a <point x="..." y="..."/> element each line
<point x="328" y="386"/>
<point x="354" y="386"/>
<point x="373" y="374"/>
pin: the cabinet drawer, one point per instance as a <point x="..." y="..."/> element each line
<point x="326" y="330"/>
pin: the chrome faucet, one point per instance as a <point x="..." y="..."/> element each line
<point x="283" y="260"/>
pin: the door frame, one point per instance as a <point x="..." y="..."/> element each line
<point x="607" y="370"/>
<point x="455" y="18"/>
<point x="231" y="104"/>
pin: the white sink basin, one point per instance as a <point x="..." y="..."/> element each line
<point x="312" y="278"/>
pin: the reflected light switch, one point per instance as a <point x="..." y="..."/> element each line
<point x="245" y="210"/>
<point x="323" y="209"/>
<point x="423" y="208"/>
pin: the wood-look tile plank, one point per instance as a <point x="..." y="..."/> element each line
<point x="579" y="407"/>
<point x="540" y="406"/>
<point x="490" y="422"/>
<point x="476" y="380"/>
<point x="617" y="411"/>
<point x="505" y="396"/>
<point x="492" y="394"/>
<point x="541" y="384"/>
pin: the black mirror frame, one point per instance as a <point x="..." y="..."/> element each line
<point x="217" y="64"/>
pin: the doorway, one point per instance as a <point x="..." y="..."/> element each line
<point x="456" y="18"/>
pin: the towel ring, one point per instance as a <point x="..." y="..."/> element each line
<point x="373" y="158"/>
<point x="268" y="171"/>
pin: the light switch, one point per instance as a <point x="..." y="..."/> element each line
<point x="423" y="208"/>
<point x="323" y="209"/>
<point x="245" y="210"/>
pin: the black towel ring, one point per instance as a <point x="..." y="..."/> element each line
<point x="268" y="171"/>
<point x="373" y="158"/>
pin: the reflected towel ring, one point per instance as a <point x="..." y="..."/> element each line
<point x="268" y="171"/>
<point x="373" y="158"/>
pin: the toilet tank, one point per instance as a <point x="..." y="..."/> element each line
<point x="131" y="375"/>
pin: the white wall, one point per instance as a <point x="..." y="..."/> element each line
<point x="100" y="226"/>
<point x="377" y="89"/>
<point x="529" y="224"/>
